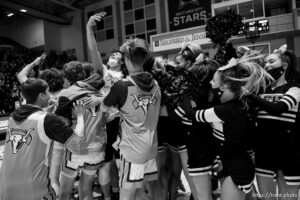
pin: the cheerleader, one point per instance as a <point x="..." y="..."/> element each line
<point x="187" y="55"/>
<point x="277" y="140"/>
<point x="183" y="61"/>
<point x="201" y="148"/>
<point x="175" y="81"/>
<point x="229" y="121"/>
<point x="169" y="164"/>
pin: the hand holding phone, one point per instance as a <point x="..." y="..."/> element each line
<point x="96" y="18"/>
<point x="40" y="59"/>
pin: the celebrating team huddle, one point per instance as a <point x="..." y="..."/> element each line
<point x="219" y="124"/>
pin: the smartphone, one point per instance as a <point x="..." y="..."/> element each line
<point x="41" y="65"/>
<point x="102" y="14"/>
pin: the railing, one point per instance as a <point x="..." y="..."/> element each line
<point x="218" y="1"/>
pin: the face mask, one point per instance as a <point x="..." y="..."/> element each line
<point x="113" y="63"/>
<point x="276" y="72"/>
<point x="217" y="92"/>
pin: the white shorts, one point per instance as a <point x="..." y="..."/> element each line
<point x="133" y="175"/>
<point x="89" y="164"/>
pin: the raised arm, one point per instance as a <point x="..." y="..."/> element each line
<point x="23" y="74"/>
<point x="92" y="44"/>
<point x="219" y="113"/>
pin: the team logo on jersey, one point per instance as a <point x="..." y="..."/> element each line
<point x="143" y="101"/>
<point x="94" y="110"/>
<point x="109" y="80"/>
<point x="18" y="137"/>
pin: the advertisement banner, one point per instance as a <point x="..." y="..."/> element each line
<point x="3" y="124"/>
<point x="177" y="42"/>
<point x="188" y="13"/>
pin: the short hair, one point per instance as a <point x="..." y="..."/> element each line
<point x="32" y="87"/>
<point x="54" y="78"/>
<point x="88" y="69"/>
<point x="149" y="63"/>
<point x="73" y="71"/>
<point x="136" y="50"/>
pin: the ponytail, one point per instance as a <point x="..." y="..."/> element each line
<point x="244" y="77"/>
<point x="190" y="51"/>
<point x="289" y="58"/>
<point x="204" y="70"/>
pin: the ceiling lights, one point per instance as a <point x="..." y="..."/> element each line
<point x="10" y="14"/>
<point x="23" y="10"/>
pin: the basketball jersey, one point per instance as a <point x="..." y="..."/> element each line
<point x="94" y="139"/>
<point x="25" y="168"/>
<point x="140" y="116"/>
<point x="110" y="77"/>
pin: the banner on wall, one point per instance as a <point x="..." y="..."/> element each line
<point x="3" y="123"/>
<point x="188" y="13"/>
<point x="176" y="42"/>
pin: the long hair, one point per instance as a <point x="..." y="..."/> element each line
<point x="190" y="52"/>
<point x="291" y="72"/>
<point x="122" y="63"/>
<point x="288" y="57"/>
<point x="204" y="70"/>
<point x="244" y="77"/>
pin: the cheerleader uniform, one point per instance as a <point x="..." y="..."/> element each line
<point x="229" y="122"/>
<point x="200" y="143"/>
<point x="277" y="139"/>
<point x="174" y="84"/>
<point x="201" y="149"/>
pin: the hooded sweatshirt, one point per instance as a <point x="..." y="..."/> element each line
<point x="25" y="167"/>
<point x="138" y="99"/>
<point x="94" y="139"/>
